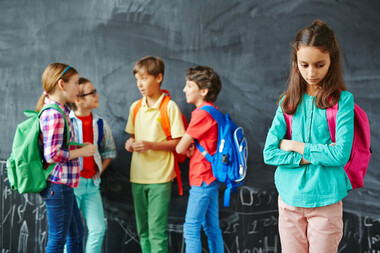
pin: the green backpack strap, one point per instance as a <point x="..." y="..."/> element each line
<point x="56" y="107"/>
<point x="30" y="113"/>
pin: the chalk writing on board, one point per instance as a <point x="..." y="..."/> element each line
<point x="248" y="226"/>
<point x="23" y="219"/>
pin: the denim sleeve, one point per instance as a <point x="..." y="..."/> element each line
<point x="273" y="155"/>
<point x="338" y="154"/>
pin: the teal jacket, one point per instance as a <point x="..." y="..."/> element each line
<point x="323" y="181"/>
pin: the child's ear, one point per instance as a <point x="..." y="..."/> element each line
<point x="159" y="78"/>
<point x="77" y="101"/>
<point x="60" y="84"/>
<point x="204" y="92"/>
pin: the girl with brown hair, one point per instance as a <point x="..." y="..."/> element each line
<point x="310" y="177"/>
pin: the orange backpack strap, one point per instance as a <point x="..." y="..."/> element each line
<point x="178" y="174"/>
<point x="165" y="123"/>
<point x="165" y="117"/>
<point x="135" y="110"/>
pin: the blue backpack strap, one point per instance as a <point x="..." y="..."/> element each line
<point x="203" y="151"/>
<point x="227" y="194"/>
<point x="218" y="117"/>
<point x="100" y="131"/>
<point x="215" y="113"/>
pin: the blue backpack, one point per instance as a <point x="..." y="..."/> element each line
<point x="229" y="163"/>
<point x="100" y="130"/>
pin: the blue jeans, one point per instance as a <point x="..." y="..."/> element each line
<point x="64" y="220"/>
<point x="203" y="210"/>
<point x="90" y="202"/>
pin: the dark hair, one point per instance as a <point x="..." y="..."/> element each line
<point x="82" y="80"/>
<point x="153" y="65"/>
<point x="318" y="35"/>
<point x="206" y="78"/>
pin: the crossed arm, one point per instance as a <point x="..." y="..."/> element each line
<point x="186" y="146"/>
<point x="296" y="146"/>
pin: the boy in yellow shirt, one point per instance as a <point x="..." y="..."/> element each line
<point x="152" y="166"/>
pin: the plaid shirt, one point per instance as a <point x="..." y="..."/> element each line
<point x="52" y="125"/>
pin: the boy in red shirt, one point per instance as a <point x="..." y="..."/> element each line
<point x="91" y="128"/>
<point x="202" y="88"/>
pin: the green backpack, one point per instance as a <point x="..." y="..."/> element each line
<point x="25" y="168"/>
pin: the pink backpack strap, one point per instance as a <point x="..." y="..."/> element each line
<point x="331" y="113"/>
<point x="288" y="121"/>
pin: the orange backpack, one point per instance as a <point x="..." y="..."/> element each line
<point x="166" y="127"/>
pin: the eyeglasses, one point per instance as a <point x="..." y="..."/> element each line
<point x="93" y="93"/>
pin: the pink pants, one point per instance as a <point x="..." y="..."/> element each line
<point x="314" y="230"/>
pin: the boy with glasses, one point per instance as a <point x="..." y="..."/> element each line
<point x="91" y="128"/>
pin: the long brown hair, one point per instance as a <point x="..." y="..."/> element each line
<point x="319" y="35"/>
<point x="52" y="74"/>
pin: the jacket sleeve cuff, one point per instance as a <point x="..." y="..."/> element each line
<point x="108" y="154"/>
<point x="306" y="151"/>
<point x="297" y="159"/>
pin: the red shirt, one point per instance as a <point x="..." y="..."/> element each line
<point x="205" y="129"/>
<point x="89" y="165"/>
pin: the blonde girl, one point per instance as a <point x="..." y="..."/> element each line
<point x="60" y="84"/>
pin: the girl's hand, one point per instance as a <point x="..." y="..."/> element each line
<point x="332" y="144"/>
<point x="129" y="144"/>
<point x="292" y="145"/>
<point x="88" y="150"/>
<point x="190" y="150"/>
<point x="141" y="146"/>
<point x="304" y="161"/>
<point x="286" y="145"/>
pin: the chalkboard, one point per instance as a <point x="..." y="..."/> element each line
<point x="246" y="42"/>
<point x="250" y="226"/>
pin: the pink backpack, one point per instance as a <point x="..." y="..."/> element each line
<point x="356" y="166"/>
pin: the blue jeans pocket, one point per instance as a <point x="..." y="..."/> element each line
<point x="47" y="192"/>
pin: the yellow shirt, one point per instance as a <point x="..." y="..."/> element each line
<point x="153" y="166"/>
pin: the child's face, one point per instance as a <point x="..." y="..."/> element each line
<point x="89" y="98"/>
<point x="313" y="64"/>
<point x="148" y="85"/>
<point x="194" y="95"/>
<point x="71" y="89"/>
